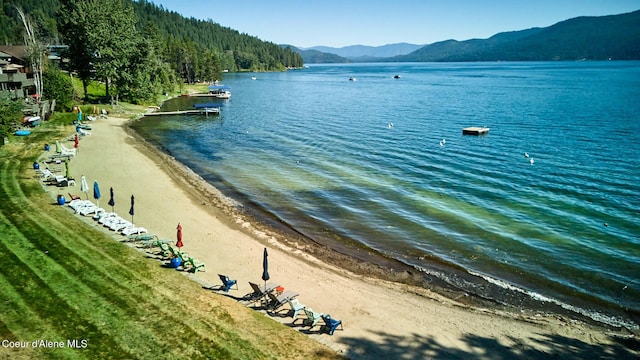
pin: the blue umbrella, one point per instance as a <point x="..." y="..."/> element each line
<point x="265" y="267"/>
<point x="131" y="212"/>
<point x="96" y="191"/>
<point x="112" y="202"/>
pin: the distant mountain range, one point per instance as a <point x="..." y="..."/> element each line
<point x="318" y="57"/>
<point x="615" y="37"/>
<point x="360" y="52"/>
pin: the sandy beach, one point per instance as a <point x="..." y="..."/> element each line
<point x="382" y="319"/>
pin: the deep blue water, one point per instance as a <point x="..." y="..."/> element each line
<point x="318" y="152"/>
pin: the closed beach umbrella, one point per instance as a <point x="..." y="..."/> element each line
<point x="84" y="187"/>
<point x="67" y="173"/>
<point x="265" y="267"/>
<point x="131" y="212"/>
<point x="179" y="236"/>
<point x="96" y="191"/>
<point x="112" y="202"/>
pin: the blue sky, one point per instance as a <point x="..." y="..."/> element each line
<point x="338" y="23"/>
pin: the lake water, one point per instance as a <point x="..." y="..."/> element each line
<point x="383" y="162"/>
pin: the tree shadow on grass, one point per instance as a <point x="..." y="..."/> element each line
<point x="477" y="347"/>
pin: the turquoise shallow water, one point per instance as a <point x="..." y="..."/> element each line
<point x="319" y="153"/>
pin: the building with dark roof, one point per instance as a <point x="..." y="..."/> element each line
<point x="15" y="75"/>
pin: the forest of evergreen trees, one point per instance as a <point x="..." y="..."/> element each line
<point x="150" y="49"/>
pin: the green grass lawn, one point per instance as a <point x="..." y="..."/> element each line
<point x="63" y="279"/>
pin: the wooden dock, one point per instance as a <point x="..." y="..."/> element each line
<point x="201" y="95"/>
<point x="185" y="112"/>
<point x="474" y="130"/>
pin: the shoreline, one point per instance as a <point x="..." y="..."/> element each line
<point x="353" y="257"/>
<point x="229" y="241"/>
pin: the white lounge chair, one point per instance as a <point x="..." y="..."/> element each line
<point x="77" y="204"/>
<point x="101" y="217"/>
<point x="88" y="210"/>
<point x="117" y="226"/>
<point x="46" y="174"/>
<point x="84" y="207"/>
<point x="107" y="218"/>
<point x="63" y="181"/>
<point x="64" y="151"/>
<point x="111" y="219"/>
<point x="133" y="230"/>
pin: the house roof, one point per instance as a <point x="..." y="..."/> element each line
<point x="18" y="52"/>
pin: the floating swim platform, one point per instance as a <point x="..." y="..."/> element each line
<point x="474" y="130"/>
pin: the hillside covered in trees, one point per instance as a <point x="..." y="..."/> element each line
<point x="137" y="47"/>
<point x="615" y="37"/>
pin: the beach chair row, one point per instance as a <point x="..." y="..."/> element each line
<point x="49" y="177"/>
<point x="110" y="220"/>
<point x="118" y="224"/>
<point x="273" y="297"/>
<point x="187" y="263"/>
<point x="276" y="299"/>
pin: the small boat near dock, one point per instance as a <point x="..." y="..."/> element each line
<point x="215" y="91"/>
<point x="474" y="130"/>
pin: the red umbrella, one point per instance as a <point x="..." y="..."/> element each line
<point x="179" y="235"/>
<point x="75" y="143"/>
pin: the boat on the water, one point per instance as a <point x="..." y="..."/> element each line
<point x="215" y="91"/>
<point x="220" y="91"/>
